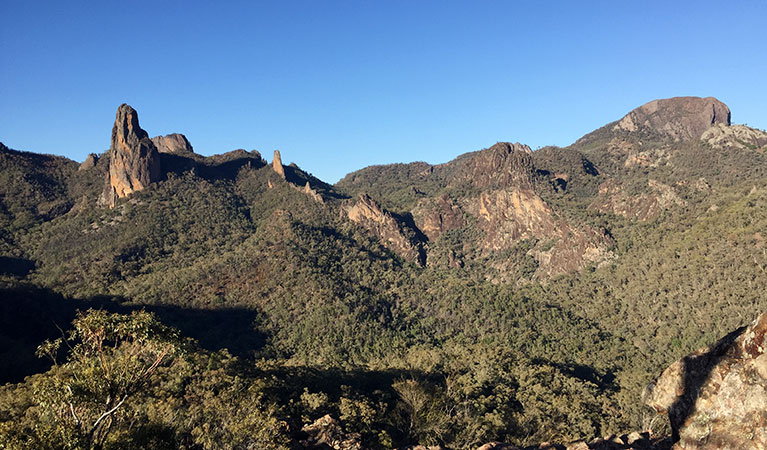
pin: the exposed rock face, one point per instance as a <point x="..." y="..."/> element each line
<point x="504" y="165"/>
<point x="392" y="234"/>
<point x="326" y="432"/>
<point x="277" y="164"/>
<point x="681" y="118"/>
<point x="653" y="157"/>
<point x="313" y="194"/>
<point x="507" y="216"/>
<point x="509" y="210"/>
<point x="434" y="216"/>
<point x="134" y="162"/>
<point x="89" y="163"/>
<point x="631" y="441"/>
<point x="498" y="446"/>
<point x="172" y="143"/>
<point x="735" y="136"/>
<point x="716" y="398"/>
<point x="493" y="191"/>
<point x="613" y="198"/>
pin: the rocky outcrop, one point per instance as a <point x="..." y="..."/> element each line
<point x="493" y="192"/>
<point x="498" y="446"/>
<point x="504" y="165"/>
<point x="735" y="136"/>
<point x="716" y="398"/>
<point x="277" y="164"/>
<point x="327" y="433"/>
<point x="312" y="193"/>
<point x="680" y="118"/>
<point x="89" y="163"/>
<point x="630" y="441"/>
<point x="508" y="216"/>
<point x="134" y="162"/>
<point x="172" y="143"/>
<point x="389" y="231"/>
<point x="614" y="198"/>
<point x="434" y="216"/>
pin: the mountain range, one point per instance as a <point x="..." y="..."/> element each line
<point x="524" y="295"/>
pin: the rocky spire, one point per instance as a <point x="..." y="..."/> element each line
<point x="277" y="164"/>
<point x="134" y="162"/>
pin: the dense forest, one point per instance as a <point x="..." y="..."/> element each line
<point x="507" y="295"/>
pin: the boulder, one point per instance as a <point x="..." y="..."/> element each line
<point x="327" y="432"/>
<point x="716" y="397"/>
<point x="172" y="143"/>
<point x="134" y="162"/>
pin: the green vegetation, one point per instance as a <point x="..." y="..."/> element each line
<point x="227" y="309"/>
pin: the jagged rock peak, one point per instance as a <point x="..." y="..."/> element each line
<point x="504" y="165"/>
<point x="277" y="164"/>
<point x="681" y="118"/>
<point x="134" y="162"/>
<point x="89" y="163"/>
<point x="172" y="143"/>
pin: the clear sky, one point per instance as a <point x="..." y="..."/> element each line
<point x="339" y="85"/>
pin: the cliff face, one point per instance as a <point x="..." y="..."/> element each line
<point x="680" y="118"/>
<point x="435" y="216"/>
<point x="496" y="191"/>
<point x="134" y="162"/>
<point x="392" y="233"/>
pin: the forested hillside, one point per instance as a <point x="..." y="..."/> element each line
<point x="510" y="295"/>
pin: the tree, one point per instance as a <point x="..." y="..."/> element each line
<point x="110" y="358"/>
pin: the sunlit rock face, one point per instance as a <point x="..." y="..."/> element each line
<point x="172" y="143"/>
<point x="680" y="118"/>
<point x="134" y="162"/>
<point x="736" y="136"/>
<point x="367" y="213"/>
<point x="277" y="164"/>
<point x="716" y="397"/>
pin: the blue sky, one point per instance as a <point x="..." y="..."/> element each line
<point x="339" y="85"/>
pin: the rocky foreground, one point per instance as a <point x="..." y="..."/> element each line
<point x="715" y="399"/>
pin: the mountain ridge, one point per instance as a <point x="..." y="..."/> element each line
<point x="523" y="296"/>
